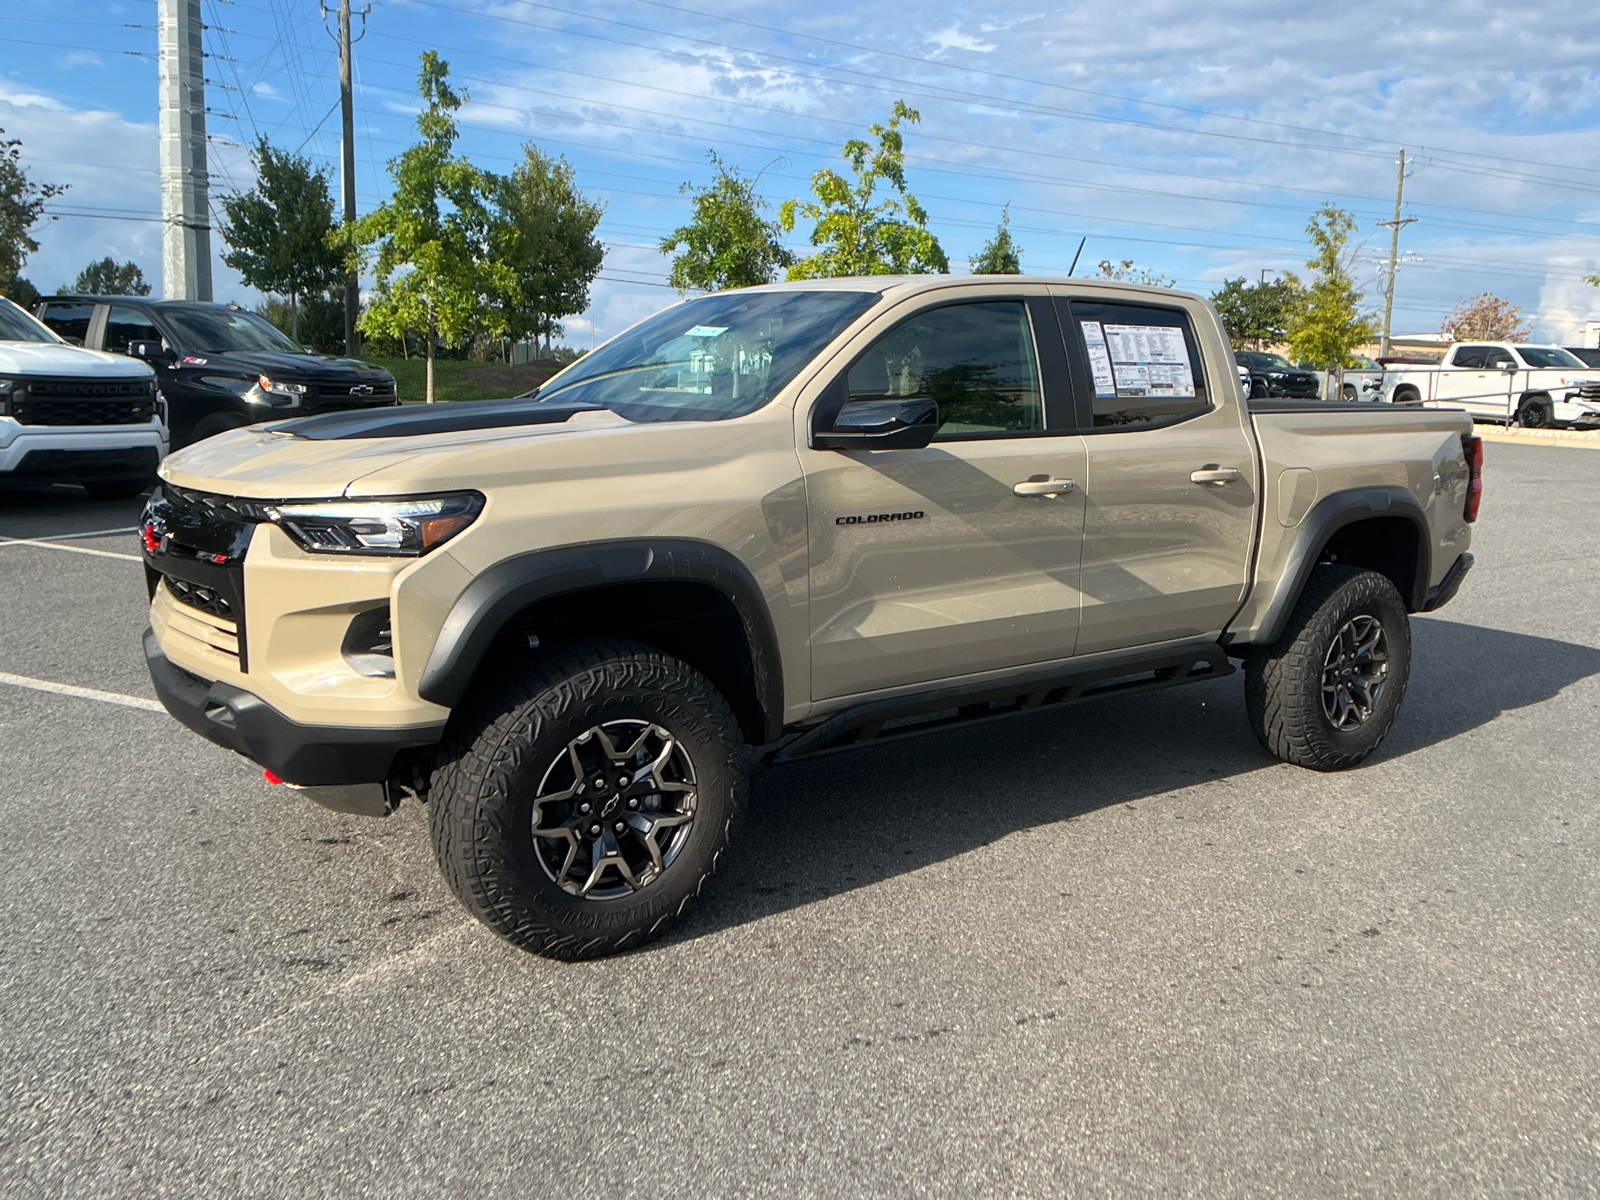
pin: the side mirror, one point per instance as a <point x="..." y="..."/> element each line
<point x="881" y="425"/>
<point x="1508" y="366"/>
<point x="150" y="352"/>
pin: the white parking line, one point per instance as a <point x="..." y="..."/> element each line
<point x="83" y="693"/>
<point x="5" y="541"/>
<point x="67" y="537"/>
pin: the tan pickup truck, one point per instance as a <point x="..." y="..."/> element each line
<point x="805" y="518"/>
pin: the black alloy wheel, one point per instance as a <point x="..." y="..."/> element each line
<point x="1355" y="672"/>
<point x="614" y="809"/>
<point x="1535" y="414"/>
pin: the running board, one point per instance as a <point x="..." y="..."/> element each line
<point x="881" y="721"/>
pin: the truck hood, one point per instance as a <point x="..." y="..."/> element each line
<point x="50" y="358"/>
<point x="449" y="440"/>
<point x="296" y="368"/>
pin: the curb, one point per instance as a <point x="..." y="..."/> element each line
<point x="1584" y="440"/>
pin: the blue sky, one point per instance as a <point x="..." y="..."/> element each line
<point x="1195" y="139"/>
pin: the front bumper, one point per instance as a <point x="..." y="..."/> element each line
<point x="309" y="756"/>
<point x="45" y="454"/>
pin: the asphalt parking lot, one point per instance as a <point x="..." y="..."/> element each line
<point x="1109" y="950"/>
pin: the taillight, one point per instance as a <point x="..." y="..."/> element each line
<point x="1473" y="446"/>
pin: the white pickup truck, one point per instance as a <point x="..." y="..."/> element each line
<point x="1539" y="387"/>
<point x="70" y="415"/>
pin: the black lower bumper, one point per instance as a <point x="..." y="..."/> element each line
<point x="1439" y="596"/>
<point x="308" y="755"/>
<point x="86" y="466"/>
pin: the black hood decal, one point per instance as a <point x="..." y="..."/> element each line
<point x="415" y="420"/>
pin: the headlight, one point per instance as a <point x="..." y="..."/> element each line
<point x="400" y="528"/>
<point x="277" y="393"/>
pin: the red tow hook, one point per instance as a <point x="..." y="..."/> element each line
<point x="270" y="777"/>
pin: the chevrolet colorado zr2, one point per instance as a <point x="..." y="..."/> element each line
<point x="803" y="518"/>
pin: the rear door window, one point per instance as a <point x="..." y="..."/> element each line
<point x="124" y="325"/>
<point x="1469" y="356"/>
<point x="69" y="319"/>
<point x="1141" y="364"/>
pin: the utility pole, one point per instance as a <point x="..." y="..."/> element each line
<point x="1394" y="251"/>
<point x="185" y="184"/>
<point x="347" y="168"/>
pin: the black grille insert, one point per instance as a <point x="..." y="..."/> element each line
<point x="32" y="411"/>
<point x="198" y="595"/>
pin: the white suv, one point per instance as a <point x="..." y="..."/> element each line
<point x="69" y="415"/>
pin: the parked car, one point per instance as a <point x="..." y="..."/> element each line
<point x="69" y="415"/>
<point x="809" y="517"/>
<point x="1363" y="381"/>
<point x="1274" y="376"/>
<point x="1588" y="355"/>
<point x="220" y="366"/>
<point x="1536" y="386"/>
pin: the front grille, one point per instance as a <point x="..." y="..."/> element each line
<point x="1589" y="391"/>
<point x="196" y="595"/>
<point x="328" y="406"/>
<point x="210" y="505"/>
<point x="30" y="411"/>
<point x="336" y="391"/>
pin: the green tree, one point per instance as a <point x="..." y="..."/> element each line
<point x="320" y="319"/>
<point x="22" y="201"/>
<point x="727" y="243"/>
<point x="544" y="233"/>
<point x="21" y="292"/>
<point x="857" y="235"/>
<point x="1328" y="322"/>
<point x="1126" y="272"/>
<point x="434" y="263"/>
<point x="110" y="278"/>
<point x="1000" y="255"/>
<point x="279" y="231"/>
<point x="1257" y="315"/>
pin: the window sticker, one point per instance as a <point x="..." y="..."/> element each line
<point x="706" y="331"/>
<point x="1094" y="339"/>
<point x="1146" y="360"/>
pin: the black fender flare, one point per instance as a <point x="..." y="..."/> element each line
<point x="1327" y="516"/>
<point x="497" y="595"/>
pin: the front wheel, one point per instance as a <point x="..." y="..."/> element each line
<point x="1327" y="692"/>
<point x="581" y="809"/>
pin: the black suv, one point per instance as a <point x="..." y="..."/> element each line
<point x="219" y="366"/>
<point x="1588" y="355"/>
<point x="1274" y="375"/>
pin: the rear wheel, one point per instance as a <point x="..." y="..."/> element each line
<point x="1536" y="413"/>
<point x="581" y="809"/>
<point x="1327" y="692"/>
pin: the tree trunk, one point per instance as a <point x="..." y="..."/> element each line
<point x="294" y="316"/>
<point x="431" y="338"/>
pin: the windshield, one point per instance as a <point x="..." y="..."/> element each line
<point x="708" y="359"/>
<point x="18" y="326"/>
<point x="1548" y="356"/>
<point x="217" y="330"/>
<point x="1268" y="362"/>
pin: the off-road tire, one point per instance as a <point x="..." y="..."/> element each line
<point x="1284" y="682"/>
<point x="482" y="791"/>
<point x="117" y="489"/>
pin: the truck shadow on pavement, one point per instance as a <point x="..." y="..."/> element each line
<point x="833" y="824"/>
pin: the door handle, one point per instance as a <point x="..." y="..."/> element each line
<point x="1214" y="475"/>
<point x="1040" y="486"/>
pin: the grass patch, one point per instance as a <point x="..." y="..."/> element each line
<point x="457" y="379"/>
